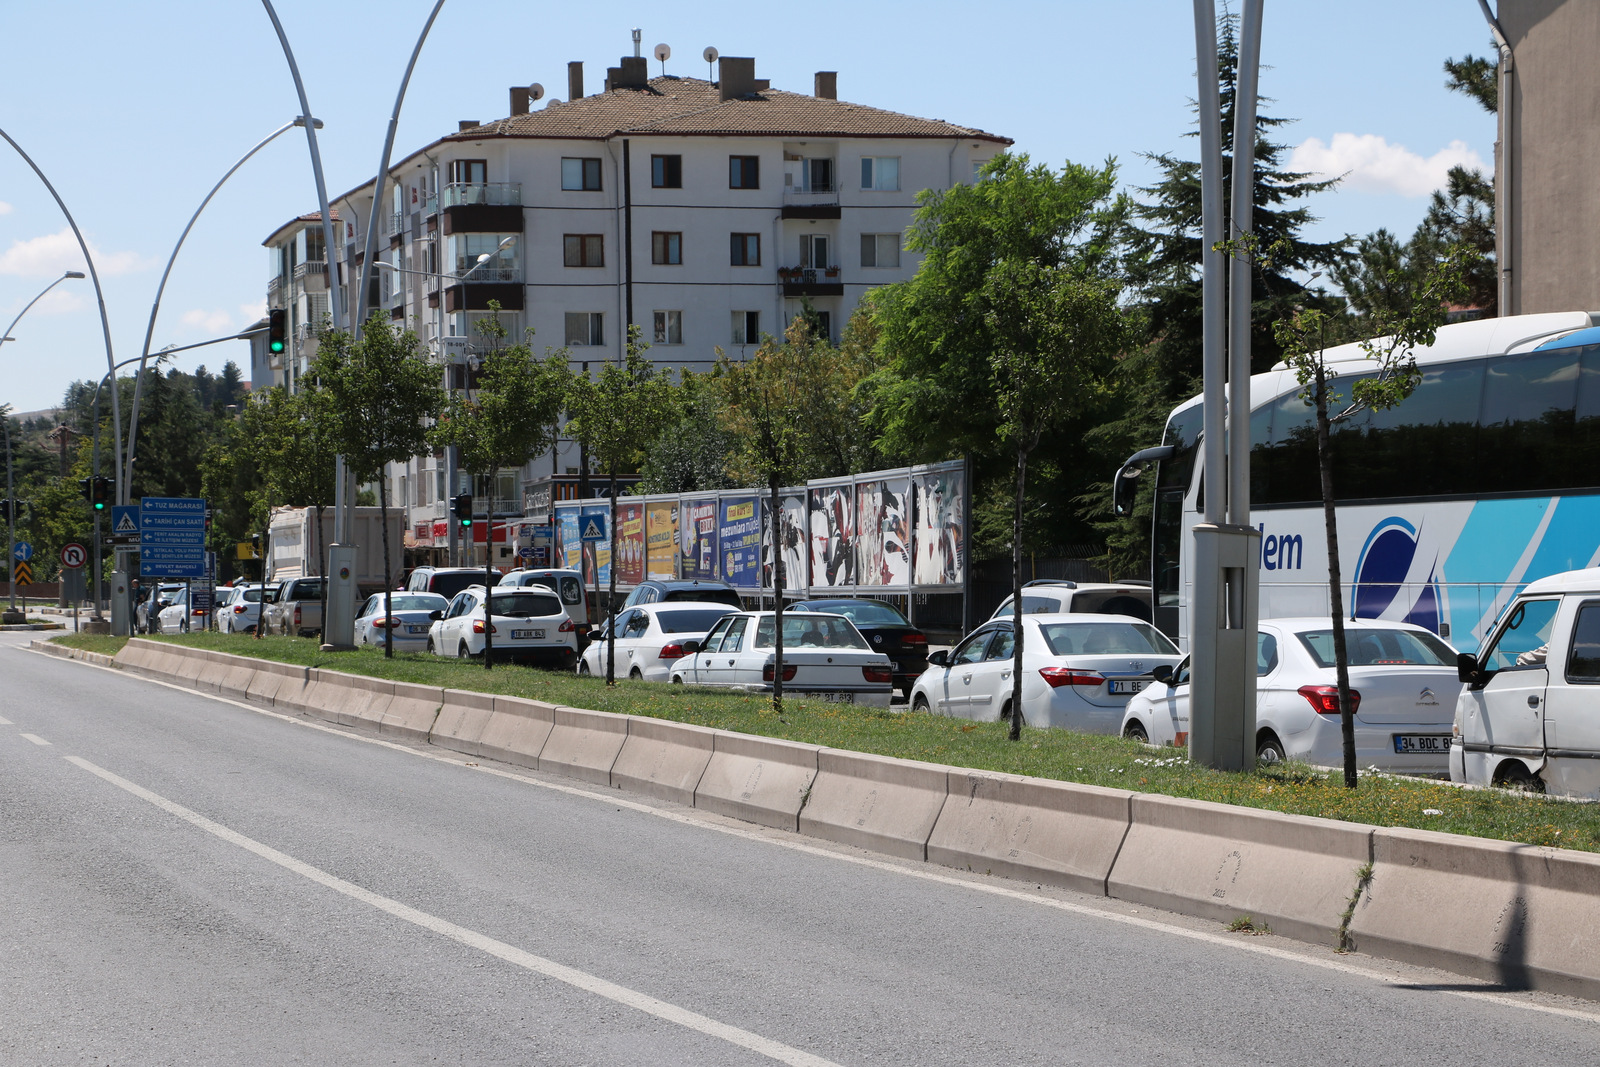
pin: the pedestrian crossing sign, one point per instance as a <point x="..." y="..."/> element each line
<point x="594" y="528"/>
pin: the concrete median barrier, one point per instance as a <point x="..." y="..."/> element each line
<point x="663" y="759"/>
<point x="1054" y="833"/>
<point x="584" y="744"/>
<point x="757" y="779"/>
<point x="1520" y="915"/>
<point x="462" y="720"/>
<point x="517" y="731"/>
<point x="213" y="670"/>
<point x="236" y="681"/>
<point x="1293" y="872"/>
<point x="138" y="656"/>
<point x="191" y="661"/>
<point x="368" y="700"/>
<point x="412" y="711"/>
<point x="875" y="802"/>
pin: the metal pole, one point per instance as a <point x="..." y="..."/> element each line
<point x="1239" y="289"/>
<point x="11" y="510"/>
<point x="1212" y="324"/>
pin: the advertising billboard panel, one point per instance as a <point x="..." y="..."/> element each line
<point x="883" y="533"/>
<point x="792" y="551"/>
<point x="941" y="525"/>
<point x="739" y="541"/>
<point x="661" y="539"/>
<point x="697" y="537"/>
<point x="630" y="543"/>
<point x="832" y="536"/>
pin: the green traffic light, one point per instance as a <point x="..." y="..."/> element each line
<point x="99" y="505"/>
<point x="276" y="346"/>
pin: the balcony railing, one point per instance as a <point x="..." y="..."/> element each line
<point x="397" y="223"/>
<point x="430" y="206"/>
<point x="315" y="267"/>
<point x="814" y="193"/>
<point x="486" y="273"/>
<point x="458" y="193"/>
<point x="274" y="284"/>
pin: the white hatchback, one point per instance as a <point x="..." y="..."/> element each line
<point x="238" y="609"/>
<point x="650" y="638"/>
<point x="1404" y="683"/>
<point x="1078" y="671"/>
<point x="409" y="620"/>
<point x="528" y="625"/>
<point x="824" y="657"/>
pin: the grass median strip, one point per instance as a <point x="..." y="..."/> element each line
<point x="1381" y="800"/>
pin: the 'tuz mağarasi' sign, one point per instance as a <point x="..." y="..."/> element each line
<point x="172" y="537"/>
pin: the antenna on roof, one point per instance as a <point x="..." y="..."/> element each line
<point x="710" y="56"/>
<point x="663" y="53"/>
<point x="637" y="36"/>
<point x="535" y="92"/>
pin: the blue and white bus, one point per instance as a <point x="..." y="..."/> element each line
<point x="1484" y="479"/>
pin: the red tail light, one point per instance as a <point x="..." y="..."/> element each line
<point x="385" y="624"/>
<point x="477" y="627"/>
<point x="1060" y="676"/>
<point x="880" y="675"/>
<point x="566" y="626"/>
<point x="297" y="615"/>
<point x="239" y="609"/>
<point x="199" y="611"/>
<point x="1324" y="699"/>
<point x="788" y="672"/>
<point x="914" y="639"/>
<point x="671" y="652"/>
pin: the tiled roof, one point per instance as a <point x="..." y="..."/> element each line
<point x="314" y="216"/>
<point x="693" y="107"/>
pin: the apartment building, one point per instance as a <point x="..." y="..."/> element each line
<point x="709" y="213"/>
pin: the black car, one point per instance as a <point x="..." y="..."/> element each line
<point x="658" y="592"/>
<point x="886" y="630"/>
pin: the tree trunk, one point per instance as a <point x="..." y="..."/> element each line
<point x="611" y="587"/>
<point x="388" y="599"/>
<point x="1341" y="658"/>
<point x="488" y="571"/>
<point x="777" y="589"/>
<point x="1015" y="733"/>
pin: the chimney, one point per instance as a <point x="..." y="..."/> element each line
<point x="466" y="124"/>
<point x="827" y="85"/>
<point x="519" y="100"/>
<point x="737" y="76"/>
<point x="575" y="80"/>
<point x="633" y="74"/>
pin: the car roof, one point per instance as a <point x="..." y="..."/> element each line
<point x="1074" y="616"/>
<point x="1584" y="581"/>
<point x="1299" y="624"/>
<point x="687" y="583"/>
<point x="681" y="605"/>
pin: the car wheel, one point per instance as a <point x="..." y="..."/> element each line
<point x="1513" y="775"/>
<point x="432" y="651"/>
<point x="1005" y="714"/>
<point x="636" y="675"/>
<point x="1269" y="749"/>
<point x="1136" y="732"/>
<point x="677" y="679"/>
<point x="920" y="703"/>
<point x="462" y="652"/>
<point x="583" y="668"/>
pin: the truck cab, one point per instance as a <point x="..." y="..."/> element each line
<point x="1529" y="715"/>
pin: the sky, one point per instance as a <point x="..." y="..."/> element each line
<point x="135" y="110"/>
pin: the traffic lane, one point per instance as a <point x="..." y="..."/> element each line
<point x="882" y="965"/>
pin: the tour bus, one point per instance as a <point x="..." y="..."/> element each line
<point x="1486" y="478"/>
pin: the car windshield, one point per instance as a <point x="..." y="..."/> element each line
<point x="716" y="596"/>
<point x="811" y="631"/>
<point x="690" y="620"/>
<point x="865" y="612"/>
<point x="1380" y="648"/>
<point x="414" y="602"/>
<point x="1106" y="638"/>
<point x="448" y="585"/>
<point x="525" y="603"/>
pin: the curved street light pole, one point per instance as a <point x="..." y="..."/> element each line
<point x="94" y="458"/>
<point x="4" y="337"/>
<point x="149" y="330"/>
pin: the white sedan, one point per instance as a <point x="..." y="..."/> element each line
<point x="1404" y="686"/>
<point x="650" y="638"/>
<point x="1078" y="671"/>
<point x="530" y="625"/>
<point x="238" y="609"/>
<point x="409" y="619"/>
<point x="824" y="657"/>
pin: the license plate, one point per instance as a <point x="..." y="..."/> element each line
<point x="1430" y="744"/>
<point x="832" y="698"/>
<point x="528" y="635"/>
<point x="1128" y="685"/>
<point x="416" y="629"/>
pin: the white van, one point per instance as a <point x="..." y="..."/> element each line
<point x="1529" y="716"/>
<point x="568" y="584"/>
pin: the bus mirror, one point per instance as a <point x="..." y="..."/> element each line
<point x="1124" y="489"/>
<point x="1467" y="669"/>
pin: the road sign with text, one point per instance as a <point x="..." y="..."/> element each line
<point x="172" y="537"/>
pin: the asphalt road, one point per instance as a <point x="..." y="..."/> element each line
<point x="187" y="881"/>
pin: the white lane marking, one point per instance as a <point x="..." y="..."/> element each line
<point x="511" y="954"/>
<point x="1374" y="972"/>
<point x="36" y="739"/>
<point x="5" y="721"/>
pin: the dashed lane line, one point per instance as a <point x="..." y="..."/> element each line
<point x="36" y="739"/>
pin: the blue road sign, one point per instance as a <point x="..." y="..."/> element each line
<point x="172" y="537"/>
<point x="125" y="520"/>
<point x="594" y="528"/>
<point x="23" y="552"/>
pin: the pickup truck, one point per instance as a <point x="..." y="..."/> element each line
<point x="295" y="607"/>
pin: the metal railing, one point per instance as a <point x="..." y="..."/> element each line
<point x="397" y="223"/>
<point x="811" y="194"/>
<point x="486" y="273"/>
<point x="458" y="193"/>
<point x="317" y="267"/>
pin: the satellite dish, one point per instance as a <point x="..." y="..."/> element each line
<point x="710" y="55"/>
<point x="663" y="52"/>
<point x="535" y="92"/>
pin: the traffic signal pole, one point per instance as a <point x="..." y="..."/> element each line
<point x="11" y="523"/>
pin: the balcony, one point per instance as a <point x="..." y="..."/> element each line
<point x="397" y="224"/>
<point x="313" y="277"/>
<point x="494" y="194"/>
<point x="472" y="291"/>
<point x="274" y="286"/>
<point x="482" y="208"/>
<point x="816" y="200"/>
<point x="810" y="281"/>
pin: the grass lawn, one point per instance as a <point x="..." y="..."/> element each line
<point x="1381" y="800"/>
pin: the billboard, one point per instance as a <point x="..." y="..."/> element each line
<point x="629" y="538"/>
<point x="599" y="551"/>
<point x="661" y="539"/>
<point x="739" y="541"/>
<point x="697" y="537"/>
<point x="883" y="533"/>
<point x="831" y="535"/>
<point x="791" y="526"/>
<point x="939" y="504"/>
<point x="569" y="548"/>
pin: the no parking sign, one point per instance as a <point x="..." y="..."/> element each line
<point x="73" y="556"/>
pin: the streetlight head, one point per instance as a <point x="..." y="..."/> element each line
<point x="74" y="274"/>
<point x="316" y="124"/>
<point x="483" y="258"/>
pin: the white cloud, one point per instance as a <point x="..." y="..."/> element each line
<point x="1370" y="164"/>
<point x="253" y="310"/>
<point x="5" y="208"/>
<point x="213" y="322"/>
<point x="57" y="252"/>
<point x="61" y="301"/>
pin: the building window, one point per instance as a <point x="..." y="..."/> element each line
<point x="880" y="173"/>
<point x="583" y="250"/>
<point x="880" y="250"/>
<point x="746" y="327"/>
<point x="501" y="264"/>
<point x="814" y="251"/>
<point x="744" y="249"/>
<point x="580" y="175"/>
<point x="585" y="328"/>
<point x="744" y="172"/>
<point x="666" y="172"/>
<point x="666" y="247"/>
<point x="669" y="327"/>
<point x="469" y="171"/>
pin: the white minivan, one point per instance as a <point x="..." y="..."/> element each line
<point x="1529" y="715"/>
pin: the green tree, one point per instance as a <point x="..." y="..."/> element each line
<point x="1477" y="77"/>
<point x="506" y="420"/>
<point x="614" y="416"/>
<point x="381" y="394"/>
<point x="1305" y="339"/>
<point x="691" y="454"/>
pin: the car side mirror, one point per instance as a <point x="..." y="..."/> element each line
<point x="690" y="647"/>
<point x="1162" y="673"/>
<point x="435" y="615"/>
<point x="941" y="658"/>
<point x="1468" y="669"/>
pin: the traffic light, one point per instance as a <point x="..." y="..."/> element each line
<point x="277" y="330"/>
<point x="100" y="493"/>
<point x="461" y="508"/>
<point x="86" y="488"/>
<point x="5" y="510"/>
